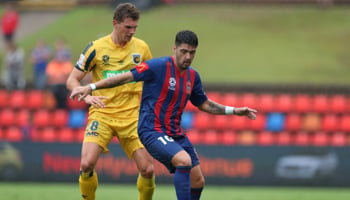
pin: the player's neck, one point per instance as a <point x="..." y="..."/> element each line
<point x="116" y="41"/>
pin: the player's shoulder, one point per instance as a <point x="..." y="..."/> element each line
<point x="95" y="44"/>
<point x="159" y="60"/>
<point x="101" y="40"/>
<point x="139" y="41"/>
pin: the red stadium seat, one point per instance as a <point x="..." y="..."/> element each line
<point x="2" y="134"/>
<point x="202" y="121"/>
<point x="48" y="135"/>
<point x="302" y="103"/>
<point x="266" y="103"/>
<point x="18" y="99"/>
<point x="75" y="104"/>
<point x="36" y="99"/>
<point x="65" y="135"/>
<point x="228" y="137"/>
<point x="293" y="122"/>
<point x="338" y="103"/>
<point x="215" y="96"/>
<point x="283" y="138"/>
<point x="248" y="99"/>
<point x="338" y="139"/>
<point x="284" y="103"/>
<point x="194" y="136"/>
<point x="258" y="124"/>
<point x="320" y="103"/>
<point x="13" y="134"/>
<point x="311" y="122"/>
<point x="266" y="138"/>
<point x="42" y="118"/>
<point x="115" y="140"/>
<point x="7" y="117"/>
<point x="79" y="134"/>
<point x="210" y="137"/>
<point x="247" y="138"/>
<point x="59" y="117"/>
<point x="345" y="123"/>
<point x="35" y="134"/>
<point x="238" y="122"/>
<point x="230" y="99"/>
<point x="4" y="100"/>
<point x="330" y="122"/>
<point x="50" y="101"/>
<point x="302" y="138"/>
<point x="220" y="122"/>
<point x="23" y="118"/>
<point x="320" y="138"/>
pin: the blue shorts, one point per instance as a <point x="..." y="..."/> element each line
<point x="163" y="148"/>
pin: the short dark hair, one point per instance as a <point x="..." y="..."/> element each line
<point x="186" y="37"/>
<point x="126" y="10"/>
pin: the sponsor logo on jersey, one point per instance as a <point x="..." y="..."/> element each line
<point x="111" y="73"/>
<point x="91" y="133"/>
<point x="172" y="83"/>
<point x="105" y="59"/>
<point x="141" y="67"/>
<point x="188" y="86"/>
<point x="136" y="58"/>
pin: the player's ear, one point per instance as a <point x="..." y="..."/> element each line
<point x="114" y="22"/>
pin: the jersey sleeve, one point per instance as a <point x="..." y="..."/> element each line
<point x="198" y="96"/>
<point x="148" y="70"/>
<point x="86" y="60"/>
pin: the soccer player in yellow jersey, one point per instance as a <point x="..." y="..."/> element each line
<point x="105" y="57"/>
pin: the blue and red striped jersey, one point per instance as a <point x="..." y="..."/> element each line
<point x="165" y="94"/>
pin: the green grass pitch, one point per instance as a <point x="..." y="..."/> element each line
<point x="70" y="191"/>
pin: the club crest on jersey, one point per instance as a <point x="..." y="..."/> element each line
<point x="105" y="59"/>
<point x="136" y="58"/>
<point x="188" y="86"/>
<point x="172" y="83"/>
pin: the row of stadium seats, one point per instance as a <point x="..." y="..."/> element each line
<point x="329" y="122"/>
<point x="269" y="121"/>
<point x="265" y="102"/>
<point x="268" y="138"/>
<point x="34" y="99"/>
<point x="43" y="117"/>
<point x="24" y="113"/>
<point x="285" y="102"/>
<point x="207" y="137"/>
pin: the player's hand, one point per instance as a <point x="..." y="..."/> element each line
<point x="249" y="112"/>
<point x="80" y="92"/>
<point x="95" y="101"/>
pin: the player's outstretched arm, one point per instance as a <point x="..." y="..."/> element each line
<point x="82" y="91"/>
<point x="212" y="107"/>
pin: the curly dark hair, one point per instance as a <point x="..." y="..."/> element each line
<point x="186" y="37"/>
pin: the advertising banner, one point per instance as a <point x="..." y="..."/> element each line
<point x="229" y="165"/>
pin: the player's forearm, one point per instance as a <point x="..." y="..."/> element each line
<point x="115" y="81"/>
<point x="212" y="107"/>
<point x="72" y="83"/>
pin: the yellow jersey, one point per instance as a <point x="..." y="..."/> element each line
<point x="104" y="59"/>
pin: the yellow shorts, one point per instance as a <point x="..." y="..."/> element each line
<point x="101" y="130"/>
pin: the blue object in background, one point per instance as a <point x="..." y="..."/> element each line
<point x="275" y="122"/>
<point x="77" y="118"/>
<point x="187" y="120"/>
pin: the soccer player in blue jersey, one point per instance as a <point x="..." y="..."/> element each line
<point x="169" y="82"/>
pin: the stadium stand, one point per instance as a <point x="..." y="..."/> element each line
<point x="285" y="119"/>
